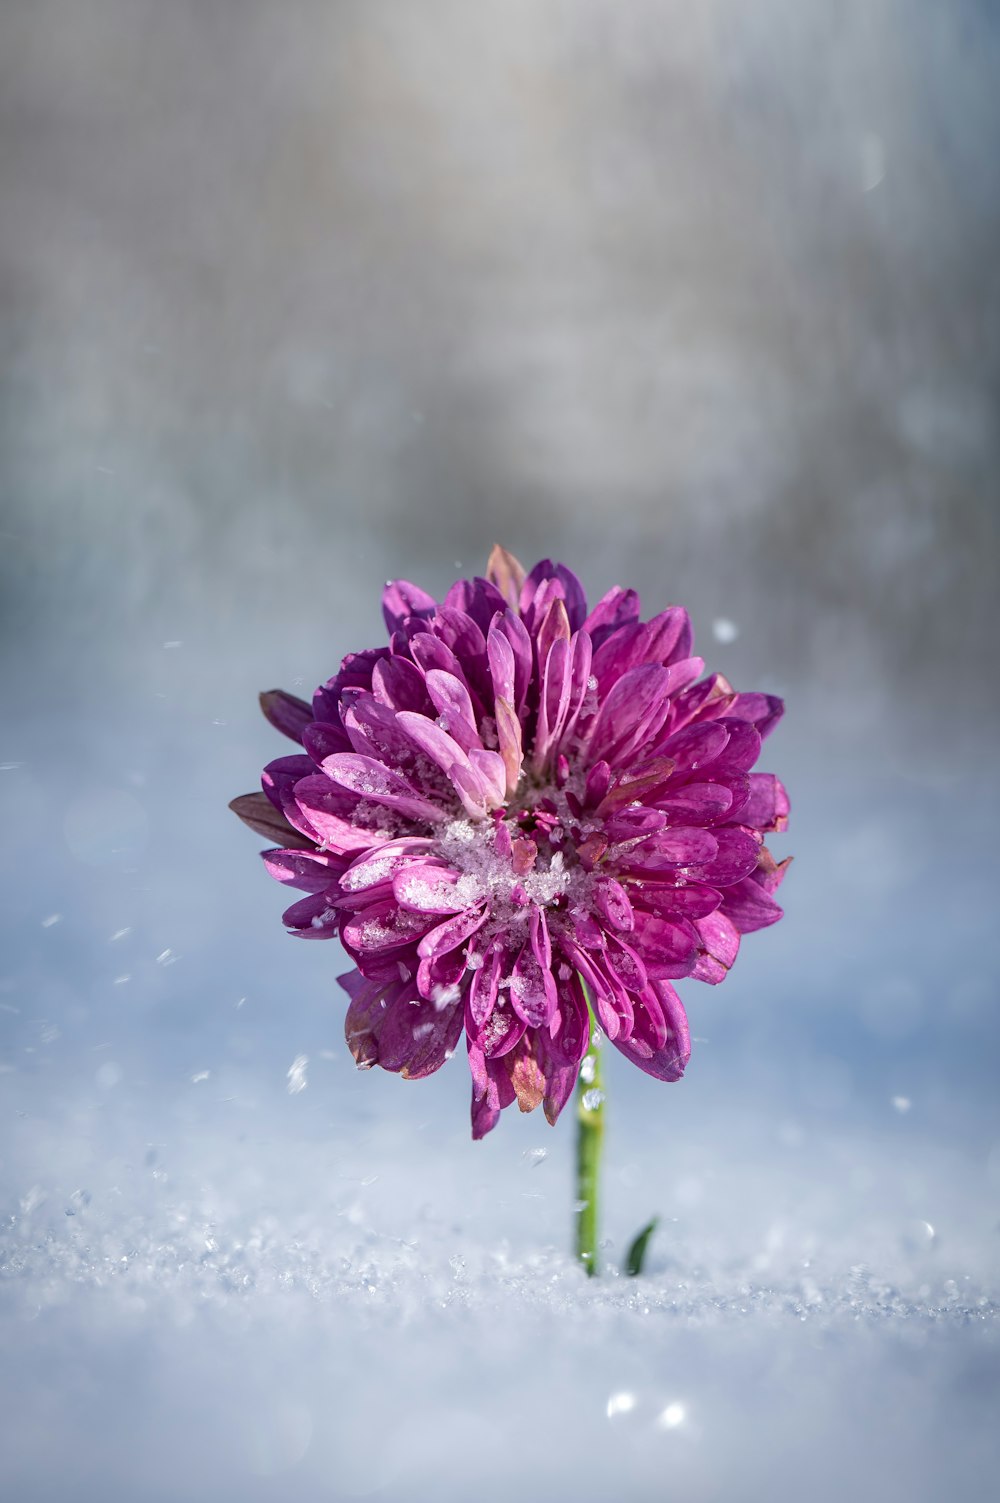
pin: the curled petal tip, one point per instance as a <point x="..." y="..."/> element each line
<point x="506" y="573"/>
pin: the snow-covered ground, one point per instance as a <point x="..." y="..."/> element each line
<point x="229" y="1296"/>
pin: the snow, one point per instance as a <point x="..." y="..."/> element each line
<point x="206" y="1296"/>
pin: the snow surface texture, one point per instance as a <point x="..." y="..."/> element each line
<point x="261" y="1303"/>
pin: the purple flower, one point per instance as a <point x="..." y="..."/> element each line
<point x="518" y="798"/>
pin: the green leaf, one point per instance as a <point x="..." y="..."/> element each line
<point x="636" y="1255"/>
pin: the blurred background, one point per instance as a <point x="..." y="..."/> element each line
<point x="699" y="298"/>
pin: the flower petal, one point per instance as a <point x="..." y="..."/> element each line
<point x="287" y="714"/>
<point x="401" y="600"/>
<point x="660" y="1042"/>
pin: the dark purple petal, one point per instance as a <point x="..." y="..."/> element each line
<point x="322" y="739"/>
<point x="401" y="599"/>
<point x="491" y="1091"/>
<point x="660" y="1042"/>
<point x="287" y="714"/>
<point x="418" y="1036"/>
<point x="616" y="609"/>
<point x="477" y="598"/>
<point x="355" y="673"/>
<point x="313" y="917"/>
<point x="279" y="780"/>
<point x="749" y="906"/>
<point x="547" y="582"/>
<point x="399" y="684"/>
<point x="258" y="811"/>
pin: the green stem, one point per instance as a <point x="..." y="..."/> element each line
<point x="589" y="1142"/>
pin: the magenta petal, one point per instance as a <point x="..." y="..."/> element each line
<point x="512" y="627"/>
<point x="429" y="888"/>
<point x="375" y="782"/>
<point x="668" y="947"/>
<point x="310" y="871"/>
<point x="482" y="995"/>
<point x="767" y="805"/>
<point x="721" y="940"/>
<point x="695" y="745"/>
<point x="509" y="740"/>
<point x="690" y="900"/>
<point x="334" y="816"/>
<point x="450" y="698"/>
<point x="612" y="904"/>
<point x="532" y="989"/>
<point x="382" y="863"/>
<point x="445" y="752"/>
<point x="541" y="944"/>
<point x="553" y="703"/>
<point x="452" y="933"/>
<point x="697" y="803"/>
<point x="749" y="906"/>
<point x="381" y="927"/>
<point x="762" y="710"/>
<point x="682" y="846"/>
<point x="737" y="857"/>
<point x="631" y="714"/>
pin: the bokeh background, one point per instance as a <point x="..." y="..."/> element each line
<point x="701" y="298"/>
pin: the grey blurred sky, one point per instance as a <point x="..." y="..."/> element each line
<point x="704" y="297"/>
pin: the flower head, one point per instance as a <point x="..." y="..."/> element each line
<point x="518" y="801"/>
